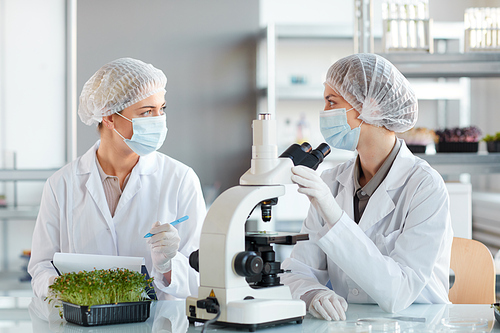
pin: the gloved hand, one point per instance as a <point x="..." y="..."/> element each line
<point x="52" y="279"/>
<point x="326" y="304"/>
<point x="318" y="193"/>
<point x="164" y="245"/>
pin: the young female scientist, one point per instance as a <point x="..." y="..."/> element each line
<point x="379" y="224"/>
<point x="105" y="201"/>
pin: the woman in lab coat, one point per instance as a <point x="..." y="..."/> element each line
<point x="379" y="225"/>
<point x="107" y="200"/>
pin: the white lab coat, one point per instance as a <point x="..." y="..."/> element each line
<point x="74" y="217"/>
<point x="397" y="255"/>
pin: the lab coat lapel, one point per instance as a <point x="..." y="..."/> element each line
<point x="94" y="186"/>
<point x="145" y="166"/>
<point x="381" y="203"/>
<point x="345" y="193"/>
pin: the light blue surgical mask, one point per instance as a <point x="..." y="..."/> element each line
<point x="336" y="130"/>
<point x="148" y="134"/>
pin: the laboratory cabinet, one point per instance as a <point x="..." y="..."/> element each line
<point x="291" y="66"/>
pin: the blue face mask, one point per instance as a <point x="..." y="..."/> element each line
<point x="148" y="134"/>
<point x="336" y="130"/>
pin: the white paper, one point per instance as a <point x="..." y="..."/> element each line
<point x="75" y="262"/>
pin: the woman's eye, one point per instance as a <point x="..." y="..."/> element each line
<point x="147" y="113"/>
<point x="162" y="109"/>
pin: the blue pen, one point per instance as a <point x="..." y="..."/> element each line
<point x="176" y="222"/>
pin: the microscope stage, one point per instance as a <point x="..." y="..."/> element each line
<point x="268" y="238"/>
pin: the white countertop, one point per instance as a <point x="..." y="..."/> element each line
<point x="27" y="315"/>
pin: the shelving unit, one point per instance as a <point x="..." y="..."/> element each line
<point x="459" y="163"/>
<point x="472" y="65"/>
<point x="11" y="213"/>
<point x="449" y="77"/>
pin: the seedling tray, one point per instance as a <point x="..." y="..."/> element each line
<point x="457" y="147"/>
<point x="106" y="314"/>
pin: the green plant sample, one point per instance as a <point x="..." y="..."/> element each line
<point x="100" y="287"/>
<point x="489" y="138"/>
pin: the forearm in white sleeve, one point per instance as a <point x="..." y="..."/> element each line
<point x="184" y="280"/>
<point x="307" y="261"/>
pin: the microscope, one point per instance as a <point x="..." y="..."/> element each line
<point x="239" y="282"/>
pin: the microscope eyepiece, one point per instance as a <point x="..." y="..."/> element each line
<point x="306" y="147"/>
<point x="302" y="155"/>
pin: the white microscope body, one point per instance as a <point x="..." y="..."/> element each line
<point x="223" y="238"/>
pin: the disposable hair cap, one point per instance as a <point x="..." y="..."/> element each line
<point x="376" y="89"/>
<point x="117" y="85"/>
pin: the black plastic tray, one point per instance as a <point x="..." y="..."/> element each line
<point x="106" y="314"/>
<point x="457" y="147"/>
<point x="417" y="149"/>
<point x="493" y="146"/>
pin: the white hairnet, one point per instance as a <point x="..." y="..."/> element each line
<point x="376" y="89"/>
<point x="117" y="85"/>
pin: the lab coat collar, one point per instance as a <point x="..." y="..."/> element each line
<point x="396" y="178"/>
<point x="346" y="181"/>
<point x="398" y="174"/>
<point x="87" y="166"/>
<point x="345" y="178"/>
<point x="147" y="164"/>
<point x="87" y="161"/>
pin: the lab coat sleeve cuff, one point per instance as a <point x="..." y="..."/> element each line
<point x="41" y="278"/>
<point x="183" y="283"/>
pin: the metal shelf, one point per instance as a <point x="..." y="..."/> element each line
<point x="423" y="65"/>
<point x="311" y="31"/>
<point x="424" y="91"/>
<point x="19" y="213"/>
<point x="27" y="174"/>
<point x="458" y="163"/>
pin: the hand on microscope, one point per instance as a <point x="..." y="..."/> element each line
<point x="326" y="304"/>
<point x="311" y="184"/>
<point x="164" y="245"/>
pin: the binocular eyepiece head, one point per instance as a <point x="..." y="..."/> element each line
<point x="305" y="155"/>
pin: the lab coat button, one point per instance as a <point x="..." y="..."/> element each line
<point x="355" y="292"/>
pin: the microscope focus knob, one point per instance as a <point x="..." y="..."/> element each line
<point x="248" y="264"/>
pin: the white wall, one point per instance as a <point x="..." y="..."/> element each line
<point x="32" y="103"/>
<point x="207" y="51"/>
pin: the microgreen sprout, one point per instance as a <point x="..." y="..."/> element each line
<point x="100" y="287"/>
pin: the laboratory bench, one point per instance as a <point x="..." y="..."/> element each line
<point x="25" y="314"/>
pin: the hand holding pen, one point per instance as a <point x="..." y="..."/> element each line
<point x="164" y="244"/>
<point x="176" y="222"/>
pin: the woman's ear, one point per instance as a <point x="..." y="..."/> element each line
<point x="108" y="122"/>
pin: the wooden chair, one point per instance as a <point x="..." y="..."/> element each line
<point x="474" y="273"/>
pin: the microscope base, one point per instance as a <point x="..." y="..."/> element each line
<point x="250" y="327"/>
<point x="254" y="313"/>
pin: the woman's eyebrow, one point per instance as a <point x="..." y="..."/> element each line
<point x="329" y="95"/>
<point x="150" y="106"/>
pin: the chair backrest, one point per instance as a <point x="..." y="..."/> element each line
<point x="474" y="273"/>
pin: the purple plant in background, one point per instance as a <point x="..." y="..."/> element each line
<point x="456" y="134"/>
